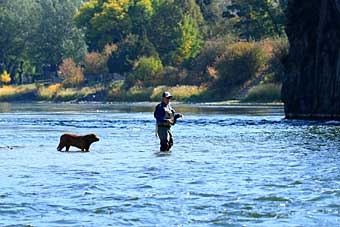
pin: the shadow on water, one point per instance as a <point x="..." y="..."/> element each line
<point x="162" y="153"/>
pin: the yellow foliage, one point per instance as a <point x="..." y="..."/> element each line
<point x="13" y="91"/>
<point x="68" y="92"/>
<point x="49" y="92"/>
<point x="7" y="90"/>
<point x="109" y="49"/>
<point x="5" y="77"/>
<point x="88" y="5"/>
<point x="146" y="4"/>
<point x="118" y="7"/>
<point x="70" y="73"/>
<point x="179" y="92"/>
<point x="54" y="87"/>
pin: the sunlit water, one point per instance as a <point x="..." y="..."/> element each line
<point x="230" y="166"/>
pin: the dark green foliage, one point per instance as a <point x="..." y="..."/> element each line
<point x="129" y="50"/>
<point x="240" y="62"/>
<point x="36" y="35"/>
<point x="276" y="63"/>
<point x="264" y="93"/>
<point x="256" y="19"/>
<point x="145" y="71"/>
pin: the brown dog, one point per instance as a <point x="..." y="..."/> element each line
<point x="81" y="142"/>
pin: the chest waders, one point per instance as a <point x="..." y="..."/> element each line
<point x="164" y="130"/>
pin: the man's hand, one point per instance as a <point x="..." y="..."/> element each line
<point x="179" y="115"/>
<point x="171" y="121"/>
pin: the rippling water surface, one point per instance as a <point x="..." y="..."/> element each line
<point x="230" y="166"/>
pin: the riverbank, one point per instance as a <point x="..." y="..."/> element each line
<point x="117" y="93"/>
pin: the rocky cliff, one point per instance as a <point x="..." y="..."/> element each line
<point x="312" y="85"/>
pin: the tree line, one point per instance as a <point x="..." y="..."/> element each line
<point x="148" y="41"/>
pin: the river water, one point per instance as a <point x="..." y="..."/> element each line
<point x="230" y="166"/>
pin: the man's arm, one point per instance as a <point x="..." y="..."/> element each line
<point x="159" y="114"/>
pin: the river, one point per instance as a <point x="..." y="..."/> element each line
<point x="230" y="166"/>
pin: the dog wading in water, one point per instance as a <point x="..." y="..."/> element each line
<point x="81" y="142"/>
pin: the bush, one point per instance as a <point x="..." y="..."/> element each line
<point x="171" y="76"/>
<point x="264" y="93"/>
<point x="48" y="93"/>
<point x="95" y="63"/>
<point x="70" y="73"/>
<point x="128" y="51"/>
<point x="240" y="62"/>
<point x="205" y="60"/>
<point x="5" y="77"/>
<point x="138" y="94"/>
<point x="180" y="93"/>
<point x="145" y="71"/>
<point x="277" y="60"/>
<point x="116" y="92"/>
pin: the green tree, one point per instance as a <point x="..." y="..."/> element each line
<point x="111" y="21"/>
<point x="56" y="34"/>
<point x="36" y="33"/>
<point x="129" y="50"/>
<point x="18" y="23"/>
<point x="176" y="30"/>
<point x="145" y="71"/>
<point x="256" y="19"/>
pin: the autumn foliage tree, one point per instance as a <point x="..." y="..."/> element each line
<point x="70" y="74"/>
<point x="170" y="29"/>
<point x="5" y="77"/>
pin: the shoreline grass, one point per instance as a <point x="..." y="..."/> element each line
<point x="265" y="94"/>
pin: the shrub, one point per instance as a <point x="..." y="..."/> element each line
<point x="70" y="73"/>
<point x="205" y="60"/>
<point x="264" y="93"/>
<point x="116" y="92"/>
<point x="145" y="71"/>
<point x="240" y="62"/>
<point x="95" y="63"/>
<point x="48" y="93"/>
<point x="5" y="77"/>
<point x="171" y="76"/>
<point x="138" y="94"/>
<point x="128" y="51"/>
<point x="277" y="60"/>
<point x="180" y="93"/>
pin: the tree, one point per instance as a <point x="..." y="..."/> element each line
<point x="256" y="19"/>
<point x="38" y="33"/>
<point x="70" y="73"/>
<point x="5" y="77"/>
<point x="128" y="51"/>
<point x="111" y="21"/>
<point x="145" y="70"/>
<point x="18" y="23"/>
<point x="55" y="32"/>
<point x="176" y="30"/>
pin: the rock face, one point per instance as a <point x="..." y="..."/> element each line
<point x="311" y="89"/>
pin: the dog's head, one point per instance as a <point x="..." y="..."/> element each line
<point x="92" y="138"/>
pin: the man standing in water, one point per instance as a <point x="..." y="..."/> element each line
<point x="165" y="116"/>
